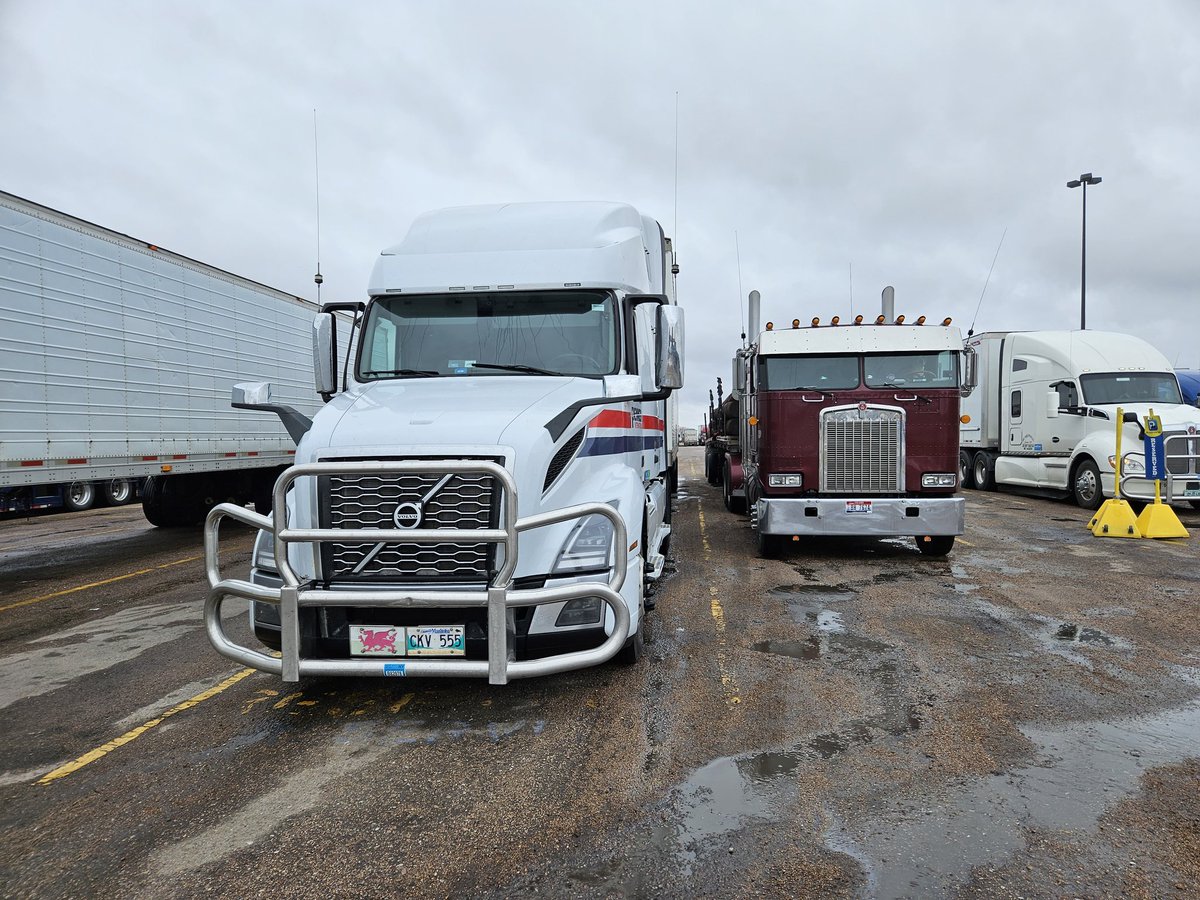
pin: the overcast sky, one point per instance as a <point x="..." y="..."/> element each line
<point x="847" y="145"/>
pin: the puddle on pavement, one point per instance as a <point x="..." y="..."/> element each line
<point x="1077" y="773"/>
<point x="1065" y="639"/>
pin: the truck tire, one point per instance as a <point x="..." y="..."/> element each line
<point x="984" y="470"/>
<point x="117" y="492"/>
<point x="732" y="503"/>
<point x="966" y="471"/>
<point x="710" y="466"/>
<point x="935" y="545"/>
<point x="1086" y="487"/>
<point x="78" y="496"/>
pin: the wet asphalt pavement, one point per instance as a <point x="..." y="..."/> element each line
<point x="1020" y="718"/>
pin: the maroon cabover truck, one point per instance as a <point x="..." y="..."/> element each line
<point x="848" y="429"/>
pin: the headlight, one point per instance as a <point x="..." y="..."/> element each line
<point x="587" y="547"/>
<point x="264" y="552"/>
<point x="785" y="480"/>
<point x="1131" y="464"/>
<point x="939" y="479"/>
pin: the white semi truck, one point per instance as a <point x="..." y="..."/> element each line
<point x="118" y="358"/>
<point x="488" y="490"/>
<point x="1044" y="416"/>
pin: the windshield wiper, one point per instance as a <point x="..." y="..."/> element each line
<point x="814" y="390"/>
<point x="408" y="373"/>
<point x="512" y="367"/>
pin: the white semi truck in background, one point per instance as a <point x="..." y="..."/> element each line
<point x="488" y="491"/>
<point x="117" y="362"/>
<point x="1044" y="416"/>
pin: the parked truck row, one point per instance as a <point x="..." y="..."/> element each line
<point x="118" y="356"/>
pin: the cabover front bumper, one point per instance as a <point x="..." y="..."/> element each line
<point x="884" y="517"/>
<point x="498" y="596"/>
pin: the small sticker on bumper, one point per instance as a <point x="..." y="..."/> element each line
<point x="394" y="669"/>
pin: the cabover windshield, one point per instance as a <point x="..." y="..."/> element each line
<point x="509" y="333"/>
<point x="845" y="372"/>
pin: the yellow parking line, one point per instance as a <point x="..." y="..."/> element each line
<point x="728" y="682"/>
<point x="965" y="543"/>
<point x="94" y="584"/>
<point x="104" y="749"/>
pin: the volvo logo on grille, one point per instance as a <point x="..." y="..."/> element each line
<point x="407" y="515"/>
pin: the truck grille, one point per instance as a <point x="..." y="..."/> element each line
<point x="862" y="451"/>
<point x="1182" y="454"/>
<point x="462" y="501"/>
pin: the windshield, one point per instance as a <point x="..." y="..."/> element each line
<point x="1130" y="387"/>
<point x="811" y="373"/>
<point x="914" y="370"/>
<point x="518" y="332"/>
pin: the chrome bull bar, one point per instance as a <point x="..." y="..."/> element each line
<point x="498" y="597"/>
<point x="1181" y="452"/>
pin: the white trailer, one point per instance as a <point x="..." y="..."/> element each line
<point x="118" y="359"/>
<point x="491" y="492"/>
<point x="1044" y="416"/>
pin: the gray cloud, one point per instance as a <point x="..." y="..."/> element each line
<point x="900" y="140"/>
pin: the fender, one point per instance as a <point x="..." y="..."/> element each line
<point x="737" y="475"/>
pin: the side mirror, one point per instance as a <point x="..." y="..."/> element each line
<point x="257" y="395"/>
<point x="739" y="375"/>
<point x="970" y="380"/>
<point x="669" y="361"/>
<point x="324" y="355"/>
<point x="1052" y="404"/>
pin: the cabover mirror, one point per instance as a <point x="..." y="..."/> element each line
<point x="324" y="355"/>
<point x="970" y="371"/>
<point x="669" y="362"/>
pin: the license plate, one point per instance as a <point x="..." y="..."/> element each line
<point x="376" y="640"/>
<point x="858" y="506"/>
<point x="436" y="640"/>
<point x="1190" y="492"/>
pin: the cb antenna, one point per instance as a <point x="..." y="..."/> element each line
<point x="971" y="330"/>
<point x="317" y="177"/>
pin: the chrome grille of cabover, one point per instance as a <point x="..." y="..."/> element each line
<point x="862" y="451"/>
<point x="459" y="501"/>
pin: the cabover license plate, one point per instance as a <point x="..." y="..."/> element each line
<point x="858" y="506"/>
<point x="417" y="640"/>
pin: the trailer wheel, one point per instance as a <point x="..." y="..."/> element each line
<point x="79" y="495"/>
<point x="935" y="545"/>
<point x="118" y="491"/>
<point x="1085" y="485"/>
<point x="732" y="503"/>
<point x="966" y="472"/>
<point x="985" y="471"/>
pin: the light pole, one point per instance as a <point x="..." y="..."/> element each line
<point x="1085" y="179"/>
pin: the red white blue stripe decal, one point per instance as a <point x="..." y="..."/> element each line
<point x="615" y="431"/>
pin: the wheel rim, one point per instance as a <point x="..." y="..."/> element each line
<point x="80" y="493"/>
<point x="119" y="490"/>
<point x="964" y="469"/>
<point x="980" y="470"/>
<point x="1086" y="485"/>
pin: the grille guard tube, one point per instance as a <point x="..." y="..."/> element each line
<point x="498" y="598"/>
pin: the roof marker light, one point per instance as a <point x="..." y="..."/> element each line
<point x="946" y="321"/>
<point x="900" y="320"/>
<point x="815" y="321"/>
<point x="920" y="320"/>
<point x="835" y="320"/>
<point x="879" y="320"/>
<point x="795" y="323"/>
<point x="770" y="326"/>
<point x="858" y="320"/>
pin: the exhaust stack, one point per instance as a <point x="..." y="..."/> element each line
<point x="889" y="303"/>
<point x="755" y="303"/>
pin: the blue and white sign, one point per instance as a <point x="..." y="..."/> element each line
<point x="1156" y="467"/>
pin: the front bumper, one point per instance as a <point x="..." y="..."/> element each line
<point x="496" y="598"/>
<point x="886" y="516"/>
